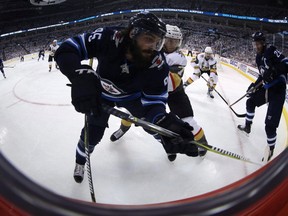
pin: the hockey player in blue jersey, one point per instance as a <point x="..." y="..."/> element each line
<point x="273" y="68"/>
<point x="131" y="73"/>
<point x="178" y="100"/>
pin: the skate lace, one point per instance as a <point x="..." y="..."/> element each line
<point x="118" y="133"/>
<point x="79" y="169"/>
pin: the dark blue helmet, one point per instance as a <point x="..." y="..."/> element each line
<point x="146" y="21"/>
<point x="258" y="36"/>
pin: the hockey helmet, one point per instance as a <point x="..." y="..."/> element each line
<point x="145" y="22"/>
<point x="173" y="32"/>
<point x="258" y="36"/>
<point x="208" y="50"/>
<point x="149" y="22"/>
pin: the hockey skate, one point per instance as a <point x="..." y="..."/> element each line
<point x="202" y="151"/>
<point x="119" y="133"/>
<point x="171" y="157"/>
<point x="79" y="173"/>
<point x="209" y="93"/>
<point x="268" y="154"/>
<point x="245" y="128"/>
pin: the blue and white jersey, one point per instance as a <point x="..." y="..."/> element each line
<point x="272" y="65"/>
<point x="121" y="80"/>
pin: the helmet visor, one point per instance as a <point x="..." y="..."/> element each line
<point x="150" y="40"/>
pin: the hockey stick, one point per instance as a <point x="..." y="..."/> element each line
<point x="86" y="142"/>
<point x="171" y="134"/>
<point x="238" y="100"/>
<point x="238" y="115"/>
<point x="88" y="165"/>
<point x="9" y="66"/>
<point x="247" y="93"/>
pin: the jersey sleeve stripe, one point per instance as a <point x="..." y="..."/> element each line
<point x="83" y="45"/>
<point x="72" y="42"/>
<point x="155" y="102"/>
<point x="121" y="97"/>
<point x="163" y="96"/>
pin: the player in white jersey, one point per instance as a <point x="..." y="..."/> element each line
<point x="52" y="49"/>
<point x="178" y="101"/>
<point x="205" y="63"/>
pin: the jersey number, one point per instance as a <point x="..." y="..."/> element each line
<point x="96" y="34"/>
<point x="277" y="53"/>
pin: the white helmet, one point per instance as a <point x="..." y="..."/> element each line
<point x="54" y="41"/>
<point x="173" y="32"/>
<point x="208" y="50"/>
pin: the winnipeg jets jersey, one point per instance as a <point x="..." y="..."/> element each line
<point x="203" y="65"/>
<point x="121" y="79"/>
<point x="52" y="49"/>
<point x="272" y="64"/>
<point x="177" y="62"/>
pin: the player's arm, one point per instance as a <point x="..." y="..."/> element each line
<point x="272" y="60"/>
<point x="79" y="48"/>
<point x="196" y="74"/>
<point x="86" y="87"/>
<point x="154" y="100"/>
<point x="155" y="94"/>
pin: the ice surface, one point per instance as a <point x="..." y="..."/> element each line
<point x="39" y="130"/>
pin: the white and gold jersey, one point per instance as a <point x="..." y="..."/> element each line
<point x="177" y="62"/>
<point x="201" y="64"/>
<point x="52" y="49"/>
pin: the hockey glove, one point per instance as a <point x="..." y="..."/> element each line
<point x="176" y="145"/>
<point x="250" y="90"/>
<point x="86" y="91"/>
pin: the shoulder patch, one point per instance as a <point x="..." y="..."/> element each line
<point x="118" y="38"/>
<point x="158" y="61"/>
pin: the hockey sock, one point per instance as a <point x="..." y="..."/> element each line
<point x="80" y="152"/>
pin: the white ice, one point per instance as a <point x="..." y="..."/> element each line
<point x="39" y="130"/>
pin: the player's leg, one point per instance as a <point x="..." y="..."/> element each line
<point x="50" y="59"/>
<point x="212" y="82"/>
<point x="180" y="105"/>
<point x="97" y="126"/>
<point x="255" y="100"/>
<point x="137" y="110"/>
<point x="195" y="76"/>
<point x="276" y="99"/>
<point x="124" y="127"/>
<point x="3" y="73"/>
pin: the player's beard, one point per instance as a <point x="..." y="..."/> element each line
<point x="141" y="58"/>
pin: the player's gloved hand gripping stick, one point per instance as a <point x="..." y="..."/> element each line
<point x="252" y="89"/>
<point x="86" y="90"/>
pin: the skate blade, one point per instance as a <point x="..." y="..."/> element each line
<point x="210" y="96"/>
<point x="243" y="132"/>
<point x="266" y="155"/>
